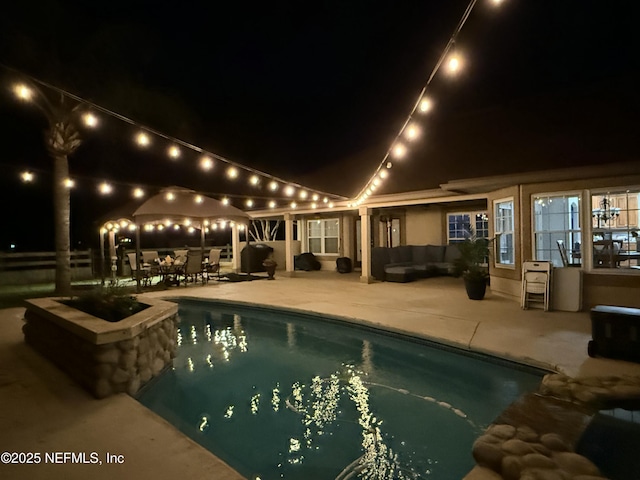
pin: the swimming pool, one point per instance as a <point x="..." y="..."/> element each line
<point x="283" y="395"/>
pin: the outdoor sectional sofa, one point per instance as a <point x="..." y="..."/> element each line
<point x="405" y="263"/>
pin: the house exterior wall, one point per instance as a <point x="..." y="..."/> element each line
<point x="599" y="287"/>
<point x="425" y="226"/>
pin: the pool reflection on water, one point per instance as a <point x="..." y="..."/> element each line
<point x="281" y="395"/>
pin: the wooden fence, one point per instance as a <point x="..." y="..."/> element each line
<point x="40" y="267"/>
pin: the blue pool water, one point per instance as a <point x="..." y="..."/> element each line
<point x="281" y="395"/>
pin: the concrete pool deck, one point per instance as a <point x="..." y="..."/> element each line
<point x="42" y="410"/>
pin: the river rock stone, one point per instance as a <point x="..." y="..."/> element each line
<point x="554" y="442"/>
<point x="511" y="467"/>
<point x="502" y="431"/>
<point x="488" y="455"/>
<point x="575" y="464"/>
<point x="517" y="447"/>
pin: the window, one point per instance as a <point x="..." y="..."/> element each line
<point x="503" y="218"/>
<point x="615" y="228"/>
<point x="323" y="235"/>
<point x="459" y="225"/>
<point x="556" y="228"/>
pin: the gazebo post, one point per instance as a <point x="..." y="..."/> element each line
<point x="102" y="265"/>
<point x="138" y="256"/>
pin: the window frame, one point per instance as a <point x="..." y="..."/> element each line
<point x="593" y="230"/>
<point x="497" y="233"/>
<point x="581" y="230"/>
<point x="471" y="214"/>
<point x="323" y="236"/>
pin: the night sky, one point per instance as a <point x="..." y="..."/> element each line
<point x="288" y="88"/>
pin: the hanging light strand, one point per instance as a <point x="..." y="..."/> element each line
<point x="384" y="164"/>
<point x="144" y="132"/>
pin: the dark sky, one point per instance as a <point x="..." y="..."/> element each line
<point x="288" y="88"/>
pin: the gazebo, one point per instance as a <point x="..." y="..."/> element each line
<point x="179" y="205"/>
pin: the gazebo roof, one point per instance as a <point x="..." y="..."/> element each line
<point x="178" y="204"/>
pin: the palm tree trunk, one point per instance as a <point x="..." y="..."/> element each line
<point x="62" y="212"/>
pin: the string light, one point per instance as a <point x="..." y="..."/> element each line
<point x="26" y="176"/>
<point x="105" y="188"/>
<point x="143" y="140"/>
<point x="399" y="151"/>
<point x="412" y="132"/>
<point x="294" y="205"/>
<point x="174" y="152"/>
<point x="90" y="120"/>
<point x="225" y="201"/>
<point x="69" y="183"/>
<point x="249" y="203"/>
<point x="198" y="199"/>
<point x="170" y="196"/>
<point x="425" y="105"/>
<point x="289" y="191"/>
<point x="272" y="204"/>
<point x="453" y="63"/>
<point x="232" y="172"/>
<point x="206" y="163"/>
<point x="23" y="92"/>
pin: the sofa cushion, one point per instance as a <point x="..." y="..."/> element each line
<point x="401" y="254"/>
<point x="451" y="254"/>
<point x="419" y="254"/>
<point x="399" y="274"/>
<point x="435" y="253"/>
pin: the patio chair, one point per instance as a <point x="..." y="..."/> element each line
<point x="181" y="254"/>
<point x="193" y="268"/>
<point x="145" y="270"/>
<point x="150" y="258"/>
<point x="212" y="265"/>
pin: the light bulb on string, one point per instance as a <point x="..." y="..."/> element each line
<point x="294" y="205"/>
<point x="411" y="132"/>
<point x="170" y="196"/>
<point x="454" y="62"/>
<point x="198" y="199"/>
<point x="249" y="203"/>
<point x="289" y="191"/>
<point x="273" y="185"/>
<point x="206" y="163"/>
<point x="330" y="204"/>
<point x="26" y="176"/>
<point x="315" y="197"/>
<point x="90" y="120"/>
<point x="143" y="140"/>
<point x="303" y="194"/>
<point x="254" y="180"/>
<point x="105" y="188"/>
<point x="173" y="151"/>
<point x="425" y="105"/>
<point x="272" y="204"/>
<point x="69" y="183"/>
<point x="225" y="201"/>
<point x="399" y="150"/>
<point x="325" y="200"/>
<point x="23" y="92"/>
<point x="232" y="172"/>
<point x="138" y="192"/>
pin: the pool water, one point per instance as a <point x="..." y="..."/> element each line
<point x="281" y="395"/>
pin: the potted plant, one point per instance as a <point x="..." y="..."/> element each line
<point x="471" y="264"/>
<point x="270" y="266"/>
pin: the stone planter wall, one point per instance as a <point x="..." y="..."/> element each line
<point x="104" y="357"/>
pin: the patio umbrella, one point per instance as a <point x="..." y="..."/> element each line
<point x="181" y="205"/>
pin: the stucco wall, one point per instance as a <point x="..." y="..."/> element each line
<point x="424" y="226"/>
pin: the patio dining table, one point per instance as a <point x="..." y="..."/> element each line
<point x="170" y="271"/>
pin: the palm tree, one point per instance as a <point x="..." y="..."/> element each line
<point x="62" y="138"/>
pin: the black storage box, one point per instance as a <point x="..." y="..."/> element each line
<point x="252" y="257"/>
<point x="615" y="332"/>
